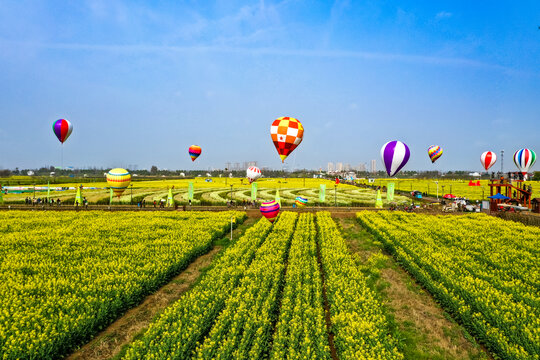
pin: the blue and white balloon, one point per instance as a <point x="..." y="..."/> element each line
<point x="395" y="155"/>
<point x="524" y="159"/>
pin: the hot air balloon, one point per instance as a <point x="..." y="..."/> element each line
<point x="487" y="159"/>
<point x="194" y="152"/>
<point x="434" y="152"/>
<point x="395" y="155"/>
<point x="287" y="133"/>
<point x="62" y="128"/>
<point x="270" y="210"/>
<point x="118" y="180"/>
<point x="253" y="173"/>
<point x="300" y="201"/>
<point x="524" y="159"/>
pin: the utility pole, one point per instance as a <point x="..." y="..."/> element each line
<point x="502" y="162"/>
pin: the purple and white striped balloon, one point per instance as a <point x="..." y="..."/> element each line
<point x="395" y="155"/>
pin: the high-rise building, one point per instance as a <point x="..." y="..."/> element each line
<point x="339" y="167"/>
<point x="373" y="166"/>
<point x="330" y="167"/>
<point x="347" y="167"/>
<point x="362" y="167"/>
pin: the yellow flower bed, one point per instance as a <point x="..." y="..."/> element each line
<point x="66" y="275"/>
<point x="485" y="271"/>
<point x="244" y="327"/>
<point x="301" y="329"/>
<point x="360" y="327"/>
<point x="183" y="325"/>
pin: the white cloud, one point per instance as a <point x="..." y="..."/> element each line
<point x="339" y="7"/>
<point x="429" y="59"/>
<point x="443" y="15"/>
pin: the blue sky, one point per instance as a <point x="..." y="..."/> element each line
<point x="141" y="81"/>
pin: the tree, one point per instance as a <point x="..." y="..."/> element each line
<point x="536" y="176"/>
<point x="153" y="169"/>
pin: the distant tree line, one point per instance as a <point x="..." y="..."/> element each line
<point x="56" y="175"/>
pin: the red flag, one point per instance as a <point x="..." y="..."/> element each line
<point x="337" y="181"/>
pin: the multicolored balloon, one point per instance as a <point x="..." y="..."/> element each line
<point x="287" y="133"/>
<point x="434" y="152"/>
<point x="253" y="173"/>
<point x="487" y="159"/>
<point x="62" y="128"/>
<point x="300" y="201"/>
<point x="118" y="180"/>
<point x="270" y="210"/>
<point x="524" y="159"/>
<point x="194" y="152"/>
<point x="395" y="155"/>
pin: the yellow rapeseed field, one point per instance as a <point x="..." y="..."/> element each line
<point x="66" y="275"/>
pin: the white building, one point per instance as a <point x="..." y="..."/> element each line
<point x="339" y="167"/>
<point x="373" y="166"/>
<point x="330" y="167"/>
<point x="362" y="167"/>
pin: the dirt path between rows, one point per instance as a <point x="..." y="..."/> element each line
<point x="110" y="341"/>
<point x="428" y="331"/>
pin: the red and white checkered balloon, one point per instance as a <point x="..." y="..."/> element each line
<point x="287" y="133"/>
